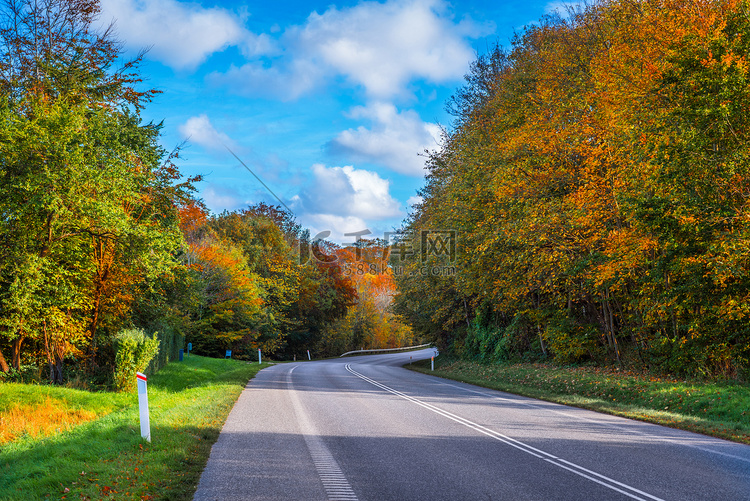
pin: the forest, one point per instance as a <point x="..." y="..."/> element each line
<point x="588" y="204"/>
<point x="104" y="244"/>
<point x="596" y="179"/>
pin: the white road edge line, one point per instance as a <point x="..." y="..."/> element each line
<point x="334" y="481"/>
<point x="561" y="463"/>
<point x="650" y="436"/>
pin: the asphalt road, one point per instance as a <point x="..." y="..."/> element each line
<point x="365" y="428"/>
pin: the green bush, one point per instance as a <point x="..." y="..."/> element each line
<point x="28" y="373"/>
<point x="492" y="339"/>
<point x="483" y="341"/>
<point x="570" y="341"/>
<point x="134" y="352"/>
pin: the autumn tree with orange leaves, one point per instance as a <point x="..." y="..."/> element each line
<point x="250" y="286"/>
<point x="369" y="323"/>
<point x="597" y="177"/>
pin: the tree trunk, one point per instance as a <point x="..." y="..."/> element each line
<point x="104" y="260"/>
<point x="3" y="364"/>
<point x="50" y="362"/>
<point x="94" y="323"/>
<point x="541" y="340"/>
<point x="609" y="323"/>
<point x="58" y="369"/>
<point x="55" y="357"/>
<point x="16" y="352"/>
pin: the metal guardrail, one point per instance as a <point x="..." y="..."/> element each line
<point x="386" y="349"/>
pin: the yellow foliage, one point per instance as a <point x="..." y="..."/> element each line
<point x="40" y="419"/>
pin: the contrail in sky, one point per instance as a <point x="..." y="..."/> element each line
<point x="260" y="180"/>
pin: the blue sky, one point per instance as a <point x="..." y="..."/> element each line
<point x="329" y="103"/>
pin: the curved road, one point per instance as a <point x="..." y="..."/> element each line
<point x="365" y="428"/>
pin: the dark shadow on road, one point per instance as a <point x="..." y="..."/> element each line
<point x="439" y="468"/>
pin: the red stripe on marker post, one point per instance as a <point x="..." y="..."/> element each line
<point x="140" y="376"/>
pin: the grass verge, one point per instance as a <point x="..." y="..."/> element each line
<point x="105" y="457"/>
<point x="719" y="409"/>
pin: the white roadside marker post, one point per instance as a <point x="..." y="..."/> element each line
<point x="259" y="356"/>
<point x="432" y="363"/>
<point x="143" y="406"/>
<point x="308" y="355"/>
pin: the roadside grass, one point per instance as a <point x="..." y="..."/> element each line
<point x="36" y="411"/>
<point x="720" y="409"/>
<point x="105" y="457"/>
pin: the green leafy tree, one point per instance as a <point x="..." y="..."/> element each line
<point x="88" y="197"/>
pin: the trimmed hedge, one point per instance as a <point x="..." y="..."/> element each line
<point x="170" y="343"/>
<point x="135" y="350"/>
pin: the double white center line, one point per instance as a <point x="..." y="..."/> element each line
<point x="607" y="482"/>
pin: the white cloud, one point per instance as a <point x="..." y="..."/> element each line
<point x="281" y="82"/>
<point x="350" y="194"/>
<point x="379" y="46"/>
<point x="334" y="228"/>
<point x="344" y="200"/>
<point x="383" y="46"/>
<point x="219" y="198"/>
<point x="396" y="138"/>
<point x="181" y="35"/>
<point x="415" y="200"/>
<point x="258" y="45"/>
<point x="200" y="131"/>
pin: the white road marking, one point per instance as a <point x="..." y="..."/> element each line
<point x="538" y="453"/>
<point x="623" y="429"/>
<point x="334" y="481"/>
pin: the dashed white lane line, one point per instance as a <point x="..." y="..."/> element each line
<point x="334" y="481"/>
<point x="603" y="480"/>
